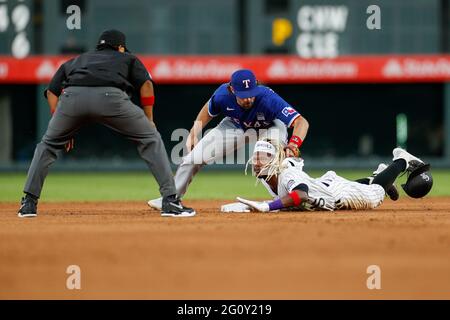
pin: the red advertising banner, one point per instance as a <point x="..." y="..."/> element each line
<point x="269" y="69"/>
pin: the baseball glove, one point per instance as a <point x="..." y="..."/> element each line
<point x="295" y="151"/>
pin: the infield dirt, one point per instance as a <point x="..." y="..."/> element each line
<point x="125" y="250"/>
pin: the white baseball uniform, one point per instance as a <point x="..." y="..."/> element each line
<point x="345" y="193"/>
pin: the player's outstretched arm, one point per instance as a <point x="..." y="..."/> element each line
<point x="293" y="199"/>
<point x="301" y="126"/>
<point x="203" y="118"/>
<point x="296" y="198"/>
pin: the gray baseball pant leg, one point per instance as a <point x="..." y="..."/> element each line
<point x="118" y="113"/>
<point x="220" y="141"/>
<point x="113" y="108"/>
<point x="61" y="128"/>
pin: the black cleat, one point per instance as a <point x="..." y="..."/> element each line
<point x="412" y="162"/>
<point x="419" y="166"/>
<point x="28" y="208"/>
<point x="172" y="207"/>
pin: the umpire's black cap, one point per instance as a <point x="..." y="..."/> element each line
<point x="112" y="38"/>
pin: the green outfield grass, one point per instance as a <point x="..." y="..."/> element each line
<point x="142" y="186"/>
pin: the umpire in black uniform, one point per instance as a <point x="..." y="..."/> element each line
<point x="96" y="86"/>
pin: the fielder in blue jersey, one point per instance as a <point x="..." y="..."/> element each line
<point x="251" y="112"/>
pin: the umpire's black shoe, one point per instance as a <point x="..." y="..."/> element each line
<point x="28" y="208"/>
<point x="172" y="207"/>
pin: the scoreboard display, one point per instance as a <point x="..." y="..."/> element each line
<point x="331" y="28"/>
<point x="16" y="28"/>
<point x="307" y="28"/>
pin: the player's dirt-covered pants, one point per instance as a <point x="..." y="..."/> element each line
<point x="111" y="107"/>
<point x="221" y="141"/>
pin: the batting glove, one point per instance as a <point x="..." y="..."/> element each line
<point x="258" y="206"/>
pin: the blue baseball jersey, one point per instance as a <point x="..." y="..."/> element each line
<point x="267" y="107"/>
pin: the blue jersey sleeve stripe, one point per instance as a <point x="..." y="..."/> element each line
<point x="209" y="110"/>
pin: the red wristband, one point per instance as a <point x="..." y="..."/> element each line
<point x="148" y="101"/>
<point x="294" y="195"/>
<point x="296" y="140"/>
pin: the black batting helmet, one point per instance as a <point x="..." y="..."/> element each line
<point x="419" y="182"/>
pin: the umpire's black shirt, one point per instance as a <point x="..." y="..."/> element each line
<point x="101" y="68"/>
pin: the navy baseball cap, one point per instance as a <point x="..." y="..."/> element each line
<point x="244" y="84"/>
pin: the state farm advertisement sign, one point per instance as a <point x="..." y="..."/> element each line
<point x="296" y="69"/>
<point x="268" y="69"/>
<point x="4" y="70"/>
<point x="213" y="69"/>
<point x="414" y="68"/>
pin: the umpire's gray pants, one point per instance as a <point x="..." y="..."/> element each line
<point x="111" y="107"/>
